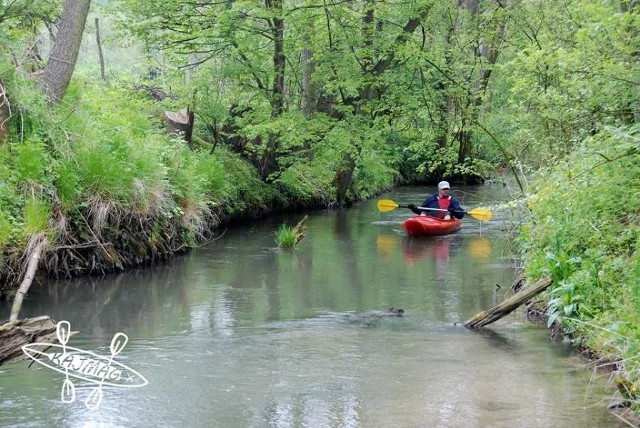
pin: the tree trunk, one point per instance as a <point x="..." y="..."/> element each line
<point x="269" y="163"/>
<point x="99" y="44"/>
<point x="508" y="305"/>
<point x="59" y="69"/>
<point x="309" y="92"/>
<point x="344" y="175"/>
<point x="180" y="123"/>
<point x="32" y="266"/>
<point x="486" y="55"/>
<point x="5" y="114"/>
<point x="15" y="334"/>
<point x="629" y="5"/>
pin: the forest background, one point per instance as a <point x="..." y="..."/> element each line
<point x="299" y="104"/>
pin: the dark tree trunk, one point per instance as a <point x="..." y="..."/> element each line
<point x="344" y="177"/>
<point x="486" y="53"/>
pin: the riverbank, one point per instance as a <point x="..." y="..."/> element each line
<point x="99" y="187"/>
<point x="102" y="238"/>
<point x="584" y="233"/>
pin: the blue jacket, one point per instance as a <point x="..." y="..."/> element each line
<point x="432" y="202"/>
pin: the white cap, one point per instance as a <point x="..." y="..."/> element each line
<point x="443" y="185"/>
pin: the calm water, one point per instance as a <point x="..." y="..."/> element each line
<point x="241" y="334"/>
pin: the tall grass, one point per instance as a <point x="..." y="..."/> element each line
<point x="36" y="215"/>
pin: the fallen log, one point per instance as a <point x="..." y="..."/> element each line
<point x="508" y="305"/>
<point x="300" y="229"/>
<point x="32" y="266"/>
<point x="15" y="334"/>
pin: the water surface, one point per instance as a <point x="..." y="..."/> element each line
<point x="239" y="333"/>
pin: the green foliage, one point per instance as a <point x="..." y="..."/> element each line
<point x="570" y="79"/>
<point x="371" y="101"/>
<point x="585" y="237"/>
<point x="31" y="162"/>
<point x="36" y="215"/>
<point x="563" y="301"/>
<point x="5" y="230"/>
<point x="243" y="190"/>
<point x="286" y="236"/>
<point x="67" y="184"/>
<point x="308" y="184"/>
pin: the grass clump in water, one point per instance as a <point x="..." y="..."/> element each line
<point x="286" y="237"/>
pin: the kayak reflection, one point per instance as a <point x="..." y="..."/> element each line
<point x="414" y="250"/>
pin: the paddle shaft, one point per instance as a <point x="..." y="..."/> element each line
<point x="436" y="209"/>
<point x="431" y="209"/>
<point x="481" y="214"/>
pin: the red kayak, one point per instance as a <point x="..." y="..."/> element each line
<point x="424" y="225"/>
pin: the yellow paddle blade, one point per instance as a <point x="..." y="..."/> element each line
<point x="385" y="205"/>
<point x="481" y="214"/>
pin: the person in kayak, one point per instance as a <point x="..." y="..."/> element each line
<point x="440" y="201"/>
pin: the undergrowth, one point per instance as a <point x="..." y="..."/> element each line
<point x="586" y="237"/>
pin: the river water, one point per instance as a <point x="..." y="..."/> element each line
<point x="239" y="333"/>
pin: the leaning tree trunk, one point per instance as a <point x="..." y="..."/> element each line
<point x="59" y="69"/>
<point x="508" y="305"/>
<point x="38" y="242"/>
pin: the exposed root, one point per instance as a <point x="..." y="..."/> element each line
<point x="104" y="239"/>
<point x="99" y="211"/>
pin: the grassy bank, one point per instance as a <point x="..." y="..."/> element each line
<point x="585" y="235"/>
<point x="100" y="181"/>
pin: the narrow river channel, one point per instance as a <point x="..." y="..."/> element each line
<point x="239" y="333"/>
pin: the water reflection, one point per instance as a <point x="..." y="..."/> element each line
<point x="241" y="333"/>
<point x="435" y="250"/>
<point x="499" y="341"/>
<point x="480" y="247"/>
<point x="386" y="244"/>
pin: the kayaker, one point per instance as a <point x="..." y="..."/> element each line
<point x="440" y="201"/>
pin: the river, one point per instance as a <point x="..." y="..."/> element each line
<point x="239" y="333"/>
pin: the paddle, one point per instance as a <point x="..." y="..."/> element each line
<point x="481" y="214"/>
